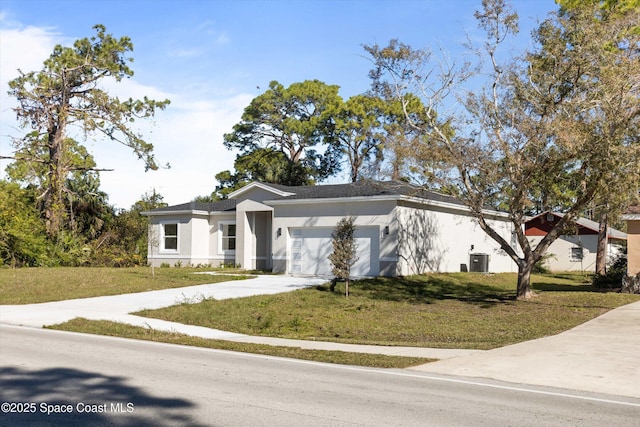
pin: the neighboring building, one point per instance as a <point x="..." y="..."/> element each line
<point x="576" y="249"/>
<point x="632" y="216"/>
<point x="400" y="230"/>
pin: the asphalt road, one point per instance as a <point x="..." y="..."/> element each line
<point x="91" y="380"/>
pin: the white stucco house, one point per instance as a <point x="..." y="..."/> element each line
<point x="400" y="230"/>
<point x="576" y="249"/>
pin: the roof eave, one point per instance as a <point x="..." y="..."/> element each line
<point x="631" y="217"/>
<point x="394" y="197"/>
<point x="260" y="185"/>
<point x="182" y="212"/>
<point x="319" y="200"/>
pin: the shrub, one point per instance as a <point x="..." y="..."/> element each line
<point x="615" y="273"/>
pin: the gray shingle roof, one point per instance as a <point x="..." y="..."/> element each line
<point x="362" y="189"/>
<point x="219" y="206"/>
<point x="357" y="189"/>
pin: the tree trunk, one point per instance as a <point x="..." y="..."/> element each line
<point x="346" y="287"/>
<point x="355" y="171"/>
<point x="54" y="205"/>
<point x="601" y="255"/>
<point x="524" y="280"/>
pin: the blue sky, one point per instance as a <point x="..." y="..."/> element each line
<point x="210" y="58"/>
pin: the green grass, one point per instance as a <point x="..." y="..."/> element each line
<point x="465" y="310"/>
<point x="36" y="285"/>
<point x="135" y="332"/>
<point x="461" y="310"/>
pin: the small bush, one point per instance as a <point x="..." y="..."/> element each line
<point x="615" y="273"/>
<point x="230" y="265"/>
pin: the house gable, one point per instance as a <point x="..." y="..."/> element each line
<point x="259" y="192"/>
<point x="542" y="224"/>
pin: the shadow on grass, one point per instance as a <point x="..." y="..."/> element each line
<point x="60" y="386"/>
<point x="425" y="291"/>
<point x="562" y="287"/>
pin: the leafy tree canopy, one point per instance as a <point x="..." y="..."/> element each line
<point x="264" y="165"/>
<point x="295" y="121"/>
<point x="561" y="124"/>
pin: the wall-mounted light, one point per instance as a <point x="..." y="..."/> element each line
<point x="472" y="246"/>
<point x="386" y="230"/>
<point x="279" y="232"/>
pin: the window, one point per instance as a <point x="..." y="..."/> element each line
<point x="577" y="254"/>
<point x="227" y="239"/>
<point x="170" y="237"/>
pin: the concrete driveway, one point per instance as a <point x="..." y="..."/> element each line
<point x="112" y="307"/>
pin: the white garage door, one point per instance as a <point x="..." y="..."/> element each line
<point x="310" y="249"/>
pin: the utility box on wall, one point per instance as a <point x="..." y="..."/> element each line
<point x="479" y="263"/>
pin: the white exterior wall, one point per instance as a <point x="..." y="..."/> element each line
<point x="326" y="215"/>
<point x="440" y="241"/>
<point x="215" y="254"/>
<point x="197" y="240"/>
<point x="157" y="256"/>
<point x="199" y="243"/>
<point x="560" y="251"/>
<point x="419" y="240"/>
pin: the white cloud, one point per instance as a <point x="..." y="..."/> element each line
<point x="188" y="135"/>
<point x="23" y="48"/>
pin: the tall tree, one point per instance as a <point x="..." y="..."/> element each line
<point x="612" y="104"/>
<point x="358" y="131"/>
<point x="85" y="205"/>
<point x="372" y="132"/>
<point x="524" y="131"/>
<point x="296" y="121"/>
<point x="67" y="92"/>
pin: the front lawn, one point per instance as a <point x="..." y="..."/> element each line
<point x="103" y="327"/>
<point x="460" y="310"/>
<point x="36" y="285"/>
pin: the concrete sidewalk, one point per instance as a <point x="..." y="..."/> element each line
<point x="601" y="355"/>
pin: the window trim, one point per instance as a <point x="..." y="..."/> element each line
<point x="163" y="236"/>
<point x="221" y="237"/>
<point x="573" y="257"/>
